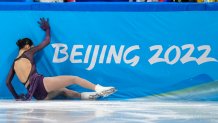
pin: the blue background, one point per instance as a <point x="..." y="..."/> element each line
<point x="118" y="27"/>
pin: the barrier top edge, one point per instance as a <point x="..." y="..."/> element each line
<point x="108" y="6"/>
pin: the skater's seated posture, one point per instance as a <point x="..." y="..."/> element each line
<point x="45" y="88"/>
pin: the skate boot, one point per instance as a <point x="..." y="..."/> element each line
<point x="89" y="95"/>
<point x="104" y="91"/>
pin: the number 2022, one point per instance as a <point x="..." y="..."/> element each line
<point x="184" y="59"/>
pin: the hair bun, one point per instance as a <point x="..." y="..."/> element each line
<point x="19" y="42"/>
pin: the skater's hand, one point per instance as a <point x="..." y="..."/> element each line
<point x="44" y="24"/>
<point x="22" y="97"/>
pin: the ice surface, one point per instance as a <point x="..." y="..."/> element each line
<point x="135" y="111"/>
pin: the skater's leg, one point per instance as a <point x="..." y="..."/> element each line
<point x="58" y="82"/>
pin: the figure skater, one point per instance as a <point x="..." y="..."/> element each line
<point x="46" y="88"/>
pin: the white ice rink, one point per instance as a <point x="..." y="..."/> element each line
<point x="108" y="112"/>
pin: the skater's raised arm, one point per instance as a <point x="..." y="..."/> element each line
<point x="44" y="25"/>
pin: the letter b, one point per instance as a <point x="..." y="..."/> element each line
<point x="58" y="49"/>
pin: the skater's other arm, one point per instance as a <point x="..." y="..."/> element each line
<point x="9" y="84"/>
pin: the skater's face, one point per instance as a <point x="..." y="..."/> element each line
<point x="27" y="47"/>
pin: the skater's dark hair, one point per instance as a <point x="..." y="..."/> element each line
<point x="22" y="42"/>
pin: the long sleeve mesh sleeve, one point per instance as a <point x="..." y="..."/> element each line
<point x="43" y="44"/>
<point x="9" y="82"/>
